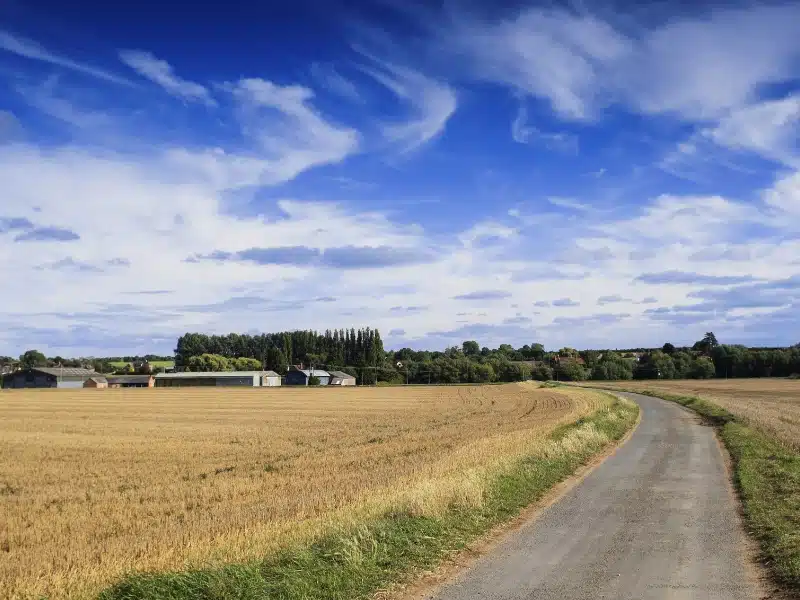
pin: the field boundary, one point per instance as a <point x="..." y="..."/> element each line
<point x="381" y="554"/>
<point x="424" y="587"/>
<point x="766" y="479"/>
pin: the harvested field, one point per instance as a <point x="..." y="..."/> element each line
<point x="96" y="483"/>
<point x="771" y="405"/>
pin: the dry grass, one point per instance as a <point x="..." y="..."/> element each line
<point x="96" y="483"/>
<point x="771" y="405"/>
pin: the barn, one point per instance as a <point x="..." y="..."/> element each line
<point x="131" y="381"/>
<point x="341" y="378"/>
<point x="49" y="377"/>
<point x="301" y="376"/>
<point x="270" y="379"/>
<point x="211" y="379"/>
<point x="96" y="383"/>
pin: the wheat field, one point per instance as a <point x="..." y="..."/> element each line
<point x="97" y="483"/>
<point x="772" y="405"/>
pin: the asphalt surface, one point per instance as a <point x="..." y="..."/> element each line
<point x="657" y="520"/>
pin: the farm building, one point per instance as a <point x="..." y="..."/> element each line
<point x="211" y="378"/>
<point x="96" y="382"/>
<point x="301" y="376"/>
<point x="341" y="378"/>
<point x="131" y="381"/>
<point x="49" y="377"/>
<point x="270" y="379"/>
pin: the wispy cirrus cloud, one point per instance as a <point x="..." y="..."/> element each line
<point x="32" y="50"/>
<point x="682" y="277"/>
<point x="343" y="257"/>
<point x="430" y="102"/>
<point x="162" y="73"/>
<point x="484" y="295"/>
<point x="331" y="79"/>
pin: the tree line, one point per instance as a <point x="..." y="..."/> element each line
<point x="276" y="351"/>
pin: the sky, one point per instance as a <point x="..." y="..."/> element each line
<point x="581" y="174"/>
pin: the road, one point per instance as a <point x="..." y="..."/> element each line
<point x="657" y="520"/>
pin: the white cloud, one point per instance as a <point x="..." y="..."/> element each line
<point x="34" y="51"/>
<point x="554" y="55"/>
<point x="701" y="68"/>
<point x="769" y="128"/>
<point x="160" y="72"/>
<point x="431" y="103"/>
<point x="288" y="130"/>
<point x="697" y="68"/>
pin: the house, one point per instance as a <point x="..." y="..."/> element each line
<point x="270" y="379"/>
<point x="341" y="378"/>
<point x="49" y="377"/>
<point x="131" y="381"/>
<point x="211" y="379"/>
<point x="301" y="376"/>
<point x="96" y="382"/>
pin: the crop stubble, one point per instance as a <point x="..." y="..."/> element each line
<point x="771" y="405"/>
<point x="96" y="483"/>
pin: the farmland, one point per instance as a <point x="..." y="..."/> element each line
<point x="95" y="484"/>
<point x="770" y="405"/>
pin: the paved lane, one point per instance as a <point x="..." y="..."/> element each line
<point x="655" y="521"/>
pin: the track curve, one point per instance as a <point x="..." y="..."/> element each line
<point x="657" y="520"/>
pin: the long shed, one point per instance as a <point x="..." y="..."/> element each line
<point x="211" y="379"/>
<point x="49" y="377"/>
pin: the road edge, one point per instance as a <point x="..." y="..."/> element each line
<point x="430" y="582"/>
<point x="758" y="556"/>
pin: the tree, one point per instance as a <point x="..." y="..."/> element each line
<point x="246" y="364"/>
<point x="31" y="359"/>
<point x="542" y="372"/>
<point x="707" y="344"/>
<point x="703" y="368"/>
<point x="313" y="380"/>
<point x="471" y="348"/>
<point x="208" y="362"/>
<point x="537" y="351"/>
<point x="570" y="370"/>
<point x="668" y="348"/>
<point x="506" y="349"/>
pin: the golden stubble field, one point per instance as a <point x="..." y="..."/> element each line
<point x="96" y="483"/>
<point x="772" y="405"/>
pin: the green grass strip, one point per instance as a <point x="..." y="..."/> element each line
<point x="767" y="477"/>
<point x="356" y="563"/>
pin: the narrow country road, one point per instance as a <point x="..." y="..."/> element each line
<point x="655" y="521"/>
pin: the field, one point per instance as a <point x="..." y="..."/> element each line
<point x="770" y="405"/>
<point x="97" y="483"/>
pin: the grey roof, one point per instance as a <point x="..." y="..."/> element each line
<point x="270" y="374"/>
<point x="315" y="372"/>
<point x="341" y="374"/>
<point x="129" y="378"/>
<point x="98" y="379"/>
<point x="67" y="371"/>
<point x="194" y="374"/>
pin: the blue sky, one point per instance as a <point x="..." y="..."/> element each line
<point x="571" y="174"/>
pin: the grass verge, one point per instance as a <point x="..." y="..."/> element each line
<point x="767" y="477"/>
<point x="357" y="562"/>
